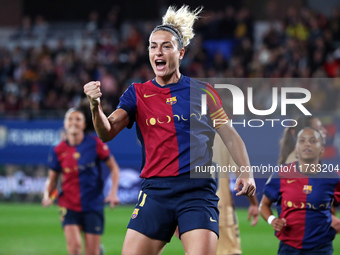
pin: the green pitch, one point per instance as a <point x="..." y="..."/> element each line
<point x="29" y="229"/>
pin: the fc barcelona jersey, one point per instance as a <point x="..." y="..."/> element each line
<point x="82" y="185"/>
<point x="175" y="134"/>
<point x="305" y="202"/>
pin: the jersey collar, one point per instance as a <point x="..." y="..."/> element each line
<point x="168" y="85"/>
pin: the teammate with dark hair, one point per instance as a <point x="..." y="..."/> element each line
<point x="304" y="195"/>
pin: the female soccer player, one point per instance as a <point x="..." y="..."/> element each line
<point x="176" y="139"/>
<point x="287" y="143"/>
<point x="288" y="153"/>
<point x="304" y="195"/>
<point x="77" y="160"/>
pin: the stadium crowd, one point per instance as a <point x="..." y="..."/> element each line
<point x="34" y="80"/>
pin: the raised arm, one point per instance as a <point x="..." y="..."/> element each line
<point x="238" y="152"/>
<point x="106" y="128"/>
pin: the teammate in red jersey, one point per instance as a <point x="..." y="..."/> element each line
<point x="288" y="153"/>
<point x="304" y="191"/>
<point x="176" y="138"/>
<point x="81" y="202"/>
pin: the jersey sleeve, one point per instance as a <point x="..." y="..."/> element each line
<point x="102" y="149"/>
<point x="337" y="194"/>
<point x="217" y="113"/>
<point x="53" y="162"/>
<point x="128" y="102"/>
<point x="272" y="187"/>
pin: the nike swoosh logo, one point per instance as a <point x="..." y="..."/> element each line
<point x="290" y="181"/>
<point x="146" y="96"/>
<point x="211" y="219"/>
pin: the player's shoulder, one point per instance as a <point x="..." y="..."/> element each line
<point x="142" y="84"/>
<point x="196" y="83"/>
<point x="61" y="146"/>
<point x="203" y="86"/>
<point x="97" y="141"/>
<point x="92" y="138"/>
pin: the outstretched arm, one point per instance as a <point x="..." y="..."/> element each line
<point x="239" y="154"/>
<point x="106" y="128"/>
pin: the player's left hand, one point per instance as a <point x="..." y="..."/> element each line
<point x="253" y="211"/>
<point x="46" y="202"/>
<point x="112" y="199"/>
<point x="336" y="224"/>
<point x="248" y="186"/>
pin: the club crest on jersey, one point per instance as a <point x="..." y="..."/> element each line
<point x="134" y="214"/>
<point x="76" y="155"/>
<point x="307" y="189"/>
<point x="171" y="100"/>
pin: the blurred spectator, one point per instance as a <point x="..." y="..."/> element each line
<point x="40" y="27"/>
<point x="244" y="25"/>
<point x="228" y="23"/>
<point x="50" y="74"/>
<point x="25" y="30"/>
<point x="92" y="26"/>
<point x="334" y="24"/>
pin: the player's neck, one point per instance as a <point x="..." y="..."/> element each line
<point x="75" y="139"/>
<point x="308" y="166"/>
<point x="165" y="80"/>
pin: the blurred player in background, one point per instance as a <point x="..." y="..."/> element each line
<point x="288" y="152"/>
<point x="304" y="198"/>
<point x="77" y="160"/>
<point x="229" y="240"/>
<point x="171" y="148"/>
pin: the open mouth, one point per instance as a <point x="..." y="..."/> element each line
<point x="160" y="64"/>
<point x="307" y="150"/>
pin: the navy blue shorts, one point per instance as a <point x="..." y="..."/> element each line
<point x="90" y="222"/>
<point x="166" y="202"/>
<point x="324" y="249"/>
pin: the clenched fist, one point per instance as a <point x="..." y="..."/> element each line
<point x="92" y="91"/>
<point x="278" y="224"/>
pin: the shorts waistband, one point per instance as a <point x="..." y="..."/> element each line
<point x="184" y="176"/>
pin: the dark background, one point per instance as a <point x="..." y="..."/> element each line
<point x="76" y="10"/>
<point x="12" y="11"/>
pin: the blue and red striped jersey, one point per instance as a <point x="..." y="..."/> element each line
<point x="82" y="185"/>
<point x="174" y="134"/>
<point x="304" y="200"/>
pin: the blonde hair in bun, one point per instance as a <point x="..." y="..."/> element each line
<point x="180" y="22"/>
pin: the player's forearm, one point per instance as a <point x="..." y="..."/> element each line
<point x="115" y="180"/>
<point x="265" y="210"/>
<point x="236" y="147"/>
<point x="101" y="123"/>
<point x="239" y="154"/>
<point x="253" y="200"/>
<point x="51" y="185"/>
<point x="115" y="185"/>
<point x="113" y="166"/>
